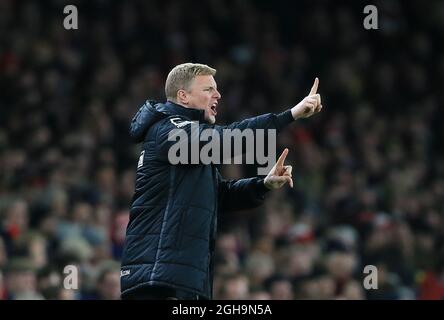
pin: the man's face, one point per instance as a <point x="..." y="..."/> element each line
<point x="203" y="95"/>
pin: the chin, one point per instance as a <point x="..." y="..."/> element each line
<point x="211" y="119"/>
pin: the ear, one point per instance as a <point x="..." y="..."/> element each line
<point x="182" y="96"/>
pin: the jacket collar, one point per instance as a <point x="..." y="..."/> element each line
<point x="176" y="109"/>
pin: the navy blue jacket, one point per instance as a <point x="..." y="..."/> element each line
<point x="173" y="218"/>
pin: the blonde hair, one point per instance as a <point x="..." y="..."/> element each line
<point x="181" y="76"/>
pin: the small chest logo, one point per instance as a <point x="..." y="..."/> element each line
<point x="180" y="124"/>
<point x="125" y="273"/>
<point x="141" y="159"/>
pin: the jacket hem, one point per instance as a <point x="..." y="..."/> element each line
<point x="166" y="284"/>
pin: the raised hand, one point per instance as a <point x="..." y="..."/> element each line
<point x="280" y="174"/>
<point x="310" y="105"/>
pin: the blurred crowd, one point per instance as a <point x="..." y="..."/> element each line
<point x="368" y="169"/>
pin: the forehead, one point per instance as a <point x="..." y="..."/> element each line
<point x="204" y="81"/>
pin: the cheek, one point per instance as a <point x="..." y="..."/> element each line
<point x="204" y="102"/>
<point x="206" y="99"/>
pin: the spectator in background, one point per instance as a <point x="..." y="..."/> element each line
<point x="21" y="280"/>
<point x="235" y="287"/>
<point x="108" y="282"/>
<point x="3" y="255"/>
<point x="3" y="292"/>
<point x="14" y="224"/>
<point x="280" y="288"/>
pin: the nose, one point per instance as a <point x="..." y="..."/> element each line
<point x="218" y="95"/>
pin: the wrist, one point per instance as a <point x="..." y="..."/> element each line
<point x="285" y="118"/>
<point x="266" y="186"/>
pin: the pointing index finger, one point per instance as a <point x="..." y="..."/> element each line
<point x="314" y="88"/>
<point x="281" y="159"/>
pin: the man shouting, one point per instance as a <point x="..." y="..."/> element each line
<point x="170" y="238"/>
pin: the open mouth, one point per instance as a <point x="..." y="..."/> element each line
<point x="213" y="108"/>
